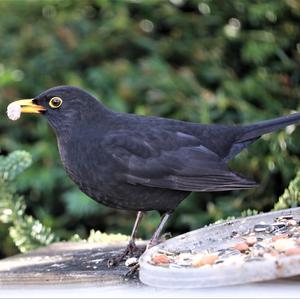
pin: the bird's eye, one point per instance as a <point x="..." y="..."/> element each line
<point x="55" y="102"/>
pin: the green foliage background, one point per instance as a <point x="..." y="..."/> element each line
<point x="210" y="61"/>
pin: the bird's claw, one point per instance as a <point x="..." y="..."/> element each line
<point x="133" y="272"/>
<point x="155" y="242"/>
<point x="165" y="237"/>
<point x="130" y="250"/>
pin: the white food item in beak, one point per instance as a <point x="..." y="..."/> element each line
<point x="13" y="111"/>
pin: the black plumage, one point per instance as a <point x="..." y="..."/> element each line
<point x="145" y="163"/>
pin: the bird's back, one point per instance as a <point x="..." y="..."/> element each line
<point x="216" y="137"/>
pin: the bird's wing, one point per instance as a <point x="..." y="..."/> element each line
<point x="172" y="160"/>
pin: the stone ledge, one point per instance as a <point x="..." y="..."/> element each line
<point x="64" y="262"/>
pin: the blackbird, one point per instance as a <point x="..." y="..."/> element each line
<point x="143" y="163"/>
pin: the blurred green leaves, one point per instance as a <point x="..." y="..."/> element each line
<point x="14" y="164"/>
<point x="26" y="232"/>
<point x="205" y="61"/>
<point x="291" y="196"/>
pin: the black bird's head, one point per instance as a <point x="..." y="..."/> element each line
<point x="64" y="107"/>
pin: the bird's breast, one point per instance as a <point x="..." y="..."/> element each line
<point x="97" y="175"/>
<point x="88" y="166"/>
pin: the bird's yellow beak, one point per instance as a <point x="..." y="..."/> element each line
<point x="27" y="106"/>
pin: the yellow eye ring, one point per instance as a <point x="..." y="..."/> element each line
<point x="55" y="102"/>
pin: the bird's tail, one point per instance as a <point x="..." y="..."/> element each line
<point x="254" y="131"/>
<point x="250" y="133"/>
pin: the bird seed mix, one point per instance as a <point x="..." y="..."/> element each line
<point x="261" y="242"/>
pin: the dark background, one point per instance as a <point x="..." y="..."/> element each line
<point x="210" y="61"/>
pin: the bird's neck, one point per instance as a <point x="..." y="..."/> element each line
<point x="78" y="120"/>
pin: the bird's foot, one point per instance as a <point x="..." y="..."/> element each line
<point x="133" y="272"/>
<point x="165" y="237"/>
<point x="130" y="250"/>
<point x="154" y="242"/>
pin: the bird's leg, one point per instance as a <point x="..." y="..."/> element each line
<point x="153" y="241"/>
<point x="131" y="248"/>
<point x="155" y="238"/>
